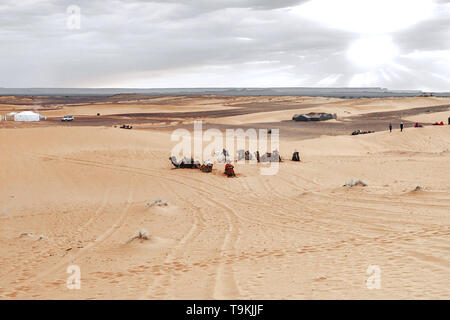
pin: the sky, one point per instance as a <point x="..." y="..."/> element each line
<point x="397" y="44"/>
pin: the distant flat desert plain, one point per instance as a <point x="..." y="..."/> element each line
<point x="75" y="195"/>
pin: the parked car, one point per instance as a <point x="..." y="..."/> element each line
<point x="67" y="118"/>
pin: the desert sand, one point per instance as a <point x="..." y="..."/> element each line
<point x="75" y="193"/>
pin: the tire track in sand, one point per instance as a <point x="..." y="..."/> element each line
<point x="198" y="226"/>
<point x="226" y="286"/>
<point x="60" y="265"/>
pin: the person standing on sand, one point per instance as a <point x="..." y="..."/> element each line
<point x="401" y="126"/>
<point x="390" y="127"/>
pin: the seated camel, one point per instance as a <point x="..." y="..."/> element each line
<point x="296" y="156"/>
<point x="219" y="156"/>
<point x="174" y="161"/>
<point x="271" y="157"/>
<point x="229" y="170"/>
<point x="244" y="155"/>
<point x="241" y="154"/>
<point x="276" y="157"/>
<point x="207" y="166"/>
<point x="185" y="163"/>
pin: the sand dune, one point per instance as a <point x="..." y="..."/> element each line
<point x="431" y="117"/>
<point x="76" y="195"/>
<point x="344" y="108"/>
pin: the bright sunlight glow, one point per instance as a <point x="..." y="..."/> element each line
<point x="373" y="51"/>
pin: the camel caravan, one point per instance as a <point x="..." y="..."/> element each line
<point x="221" y="157"/>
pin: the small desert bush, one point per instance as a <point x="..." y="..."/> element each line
<point x="24" y="234"/>
<point x="357" y="182"/>
<point x="142" y="235"/>
<point x="157" y="202"/>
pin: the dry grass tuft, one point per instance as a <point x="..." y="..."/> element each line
<point x="158" y="202"/>
<point x="142" y="235"/>
<point x="25" y="234"/>
<point x="357" y="182"/>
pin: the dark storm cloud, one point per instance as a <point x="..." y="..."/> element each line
<point x="195" y="43"/>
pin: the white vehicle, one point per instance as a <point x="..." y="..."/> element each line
<point x="67" y="118"/>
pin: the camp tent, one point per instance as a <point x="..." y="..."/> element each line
<point x="312" y="116"/>
<point x="28" y="116"/>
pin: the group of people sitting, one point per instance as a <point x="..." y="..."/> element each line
<point x="273" y="156"/>
<point x="419" y="125"/>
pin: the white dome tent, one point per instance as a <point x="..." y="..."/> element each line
<point x="28" y="116"/>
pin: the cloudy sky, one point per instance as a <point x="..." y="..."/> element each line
<point x="399" y="44"/>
